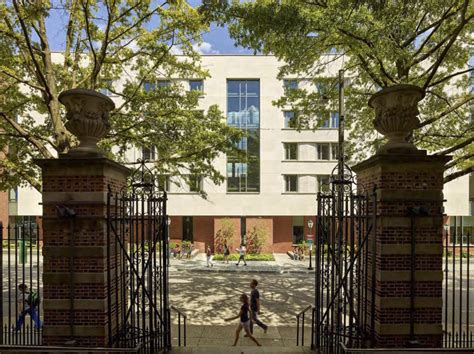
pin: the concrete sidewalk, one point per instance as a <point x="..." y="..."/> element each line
<point x="281" y="264"/>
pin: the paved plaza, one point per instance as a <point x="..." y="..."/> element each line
<point x="209" y="297"/>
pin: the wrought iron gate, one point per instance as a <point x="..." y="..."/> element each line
<point x="344" y="268"/>
<point x="137" y="277"/>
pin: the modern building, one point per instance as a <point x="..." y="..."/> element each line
<point x="275" y="188"/>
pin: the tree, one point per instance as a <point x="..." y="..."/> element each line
<point x="255" y="239"/>
<point x="126" y="47"/>
<point x="224" y="235"/>
<point x="379" y="43"/>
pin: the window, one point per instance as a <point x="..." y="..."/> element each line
<point x="148" y="153"/>
<point x="322" y="151"/>
<point x="289" y="120"/>
<point x="323" y="183"/>
<point x="332" y="122"/>
<point x="334" y="119"/>
<point x="149" y="86"/>
<point x="188" y="228"/>
<point x="162" y="83"/>
<point x="291" y="151"/>
<point x="334" y="151"/>
<point x="164" y="183"/>
<point x="105" y="89"/>
<point x="13" y="195"/>
<point x="196" y="85"/>
<point x="195" y="183"/>
<point x="290" y="84"/>
<point x="243" y="112"/>
<point x="291" y="183"/>
<point x="298" y="229"/>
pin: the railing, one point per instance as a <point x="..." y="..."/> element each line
<point x="403" y="350"/>
<point x="300" y="319"/>
<point x="181" y="314"/>
<point x="57" y="349"/>
<point x="21" y="279"/>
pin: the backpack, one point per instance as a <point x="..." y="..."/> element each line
<point x="33" y="299"/>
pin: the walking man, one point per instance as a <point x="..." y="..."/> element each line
<point x="209" y="257"/>
<point x="255" y="306"/>
<point x="29" y="305"/>
<point x="242" y="255"/>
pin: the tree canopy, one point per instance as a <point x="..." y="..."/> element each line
<point x="381" y="43"/>
<point x="127" y="47"/>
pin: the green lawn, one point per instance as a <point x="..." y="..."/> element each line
<point x="248" y="257"/>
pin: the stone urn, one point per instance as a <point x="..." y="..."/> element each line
<point x="396" y="115"/>
<point x="87" y="115"/>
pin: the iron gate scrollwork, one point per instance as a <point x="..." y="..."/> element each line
<point x="137" y="277"/>
<point x="345" y="273"/>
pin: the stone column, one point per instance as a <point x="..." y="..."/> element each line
<point x="409" y="193"/>
<point x="75" y="190"/>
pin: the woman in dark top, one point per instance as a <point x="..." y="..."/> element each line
<point x="226" y="253"/>
<point x="244" y="316"/>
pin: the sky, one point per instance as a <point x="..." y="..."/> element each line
<point x="216" y="41"/>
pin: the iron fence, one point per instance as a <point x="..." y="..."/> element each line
<point x="457" y="292"/>
<point x="137" y="277"/>
<point x="21" y="307"/>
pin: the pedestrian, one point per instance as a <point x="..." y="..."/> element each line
<point x="242" y="251"/>
<point x="226" y="253"/>
<point x="255" y="307"/>
<point x="244" y="315"/>
<point x="190" y="250"/>
<point x="209" y="257"/>
<point x="29" y="306"/>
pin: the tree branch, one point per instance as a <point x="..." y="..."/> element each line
<point x="27" y="136"/>
<point x="446" y="112"/>
<point x="456" y="147"/>
<point x="458" y="160"/>
<point x="458" y="174"/>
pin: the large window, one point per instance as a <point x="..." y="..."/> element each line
<point x="188" y="228"/>
<point x="291" y="151"/>
<point x="243" y="112"/>
<point x="291" y="183"/>
<point x="13" y="195"/>
<point x="298" y="229"/>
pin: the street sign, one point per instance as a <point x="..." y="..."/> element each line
<point x="310" y="242"/>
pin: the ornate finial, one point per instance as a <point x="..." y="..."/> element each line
<point x="87" y="114"/>
<point x="396" y="115"/>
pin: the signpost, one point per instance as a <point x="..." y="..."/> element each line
<point x="309" y="239"/>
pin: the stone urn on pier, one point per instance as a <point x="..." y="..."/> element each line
<point x="87" y="115"/>
<point x="396" y="116"/>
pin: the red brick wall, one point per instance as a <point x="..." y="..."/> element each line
<point x="282" y="233"/>
<point x="176" y="228"/>
<point x="203" y="232"/>
<point x="401" y="182"/>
